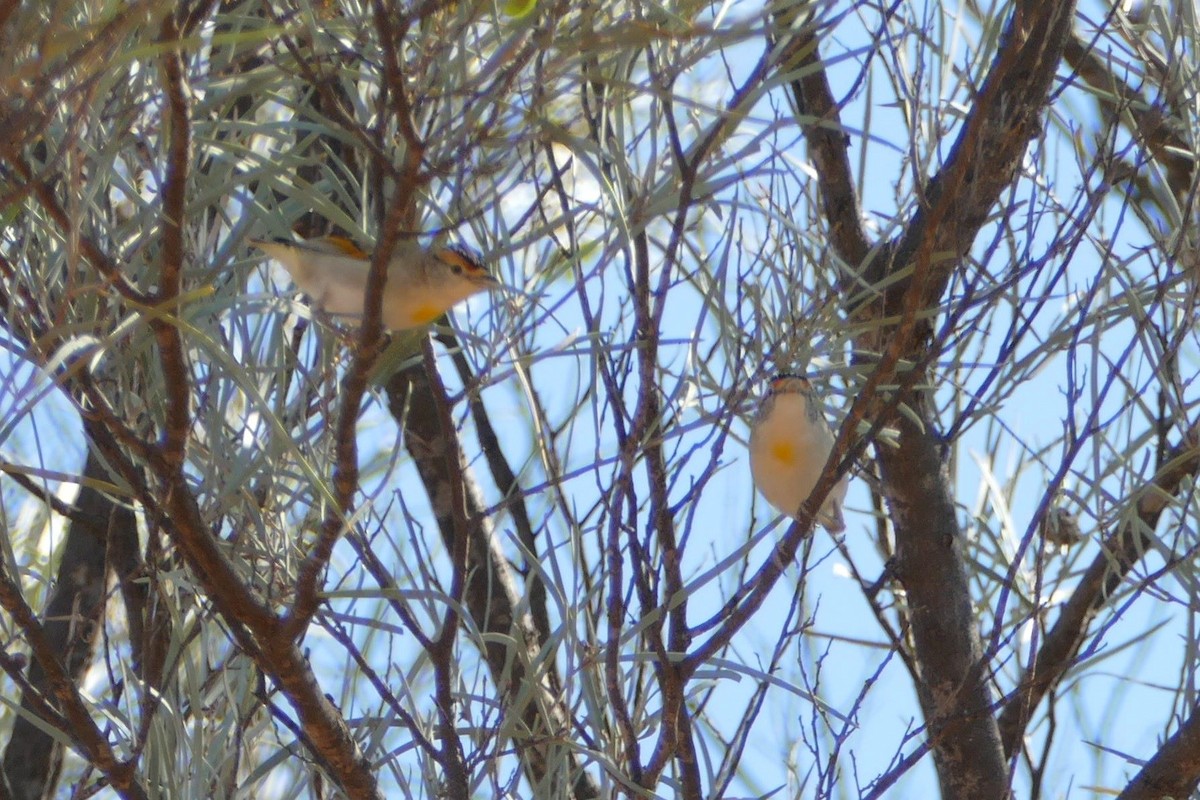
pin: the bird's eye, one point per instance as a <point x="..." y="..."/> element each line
<point x="456" y="269"/>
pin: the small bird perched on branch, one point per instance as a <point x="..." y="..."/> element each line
<point x="790" y="441"/>
<point x="421" y="284"/>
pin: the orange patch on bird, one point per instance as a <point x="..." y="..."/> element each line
<point x="426" y="313"/>
<point x="347" y="246"/>
<point x="466" y="264"/>
<point x="783" y="451"/>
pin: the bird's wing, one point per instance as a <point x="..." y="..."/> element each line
<point x="337" y="283"/>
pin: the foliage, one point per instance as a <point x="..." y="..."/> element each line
<point x="523" y="557"/>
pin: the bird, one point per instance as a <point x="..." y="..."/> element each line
<point x="421" y="284"/>
<point x="790" y="441"/>
<point x="1059" y="526"/>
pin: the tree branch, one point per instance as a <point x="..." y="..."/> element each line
<point x="527" y="680"/>
<point x="1154" y="130"/>
<point x="828" y="147"/>
<point x="1174" y="771"/>
<point x="74" y="612"/>
<point x="1118" y="555"/>
<point x="929" y="561"/>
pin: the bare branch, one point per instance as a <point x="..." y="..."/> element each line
<point x="1119" y="553"/>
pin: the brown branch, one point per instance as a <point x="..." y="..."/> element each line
<point x="593" y="97"/>
<point x="255" y="628"/>
<point x="847" y="447"/>
<point x="828" y="147"/>
<point x="453" y="507"/>
<point x="253" y="625"/>
<point x="642" y="442"/>
<point x="930" y="563"/>
<point x="60" y="685"/>
<point x="73" y="615"/>
<point x="95" y="256"/>
<point x="51" y="501"/>
<point x="399" y="223"/>
<point x="673" y="743"/>
<point x="615" y="611"/>
<point x="987" y="155"/>
<point x="953" y="689"/>
<point x="489" y="594"/>
<point x="1149" y="124"/>
<point x="174" y="212"/>
<point x="1118" y="555"/>
<point x="649" y="303"/>
<point x="512" y="498"/>
<point x="1174" y="771"/>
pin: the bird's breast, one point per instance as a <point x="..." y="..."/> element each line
<point x="784" y="451"/>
